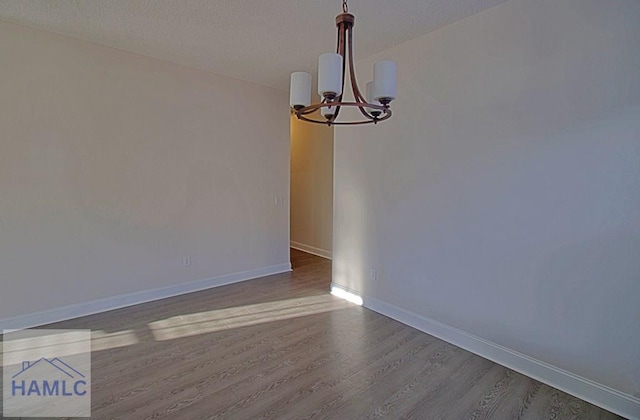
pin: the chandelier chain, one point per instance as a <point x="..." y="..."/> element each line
<point x="345" y="6"/>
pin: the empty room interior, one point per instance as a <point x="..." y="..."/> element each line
<point x="424" y="209"/>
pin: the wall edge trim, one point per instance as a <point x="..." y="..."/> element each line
<point x="78" y="310"/>
<point x="598" y="394"/>
<point x="311" y="249"/>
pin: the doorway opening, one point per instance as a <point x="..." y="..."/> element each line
<point x="311" y="188"/>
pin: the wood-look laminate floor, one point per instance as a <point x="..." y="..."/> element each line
<point x="281" y="347"/>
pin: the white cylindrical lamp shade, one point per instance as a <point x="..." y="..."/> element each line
<point x="300" y="90"/>
<point x="330" y="75"/>
<point x="370" y="89"/>
<point x="384" y="80"/>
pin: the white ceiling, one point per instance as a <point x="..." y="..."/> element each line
<point x="260" y="41"/>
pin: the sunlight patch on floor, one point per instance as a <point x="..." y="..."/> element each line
<point x="102" y="340"/>
<point x="65" y="344"/>
<point x="68" y="343"/>
<point x="242" y="316"/>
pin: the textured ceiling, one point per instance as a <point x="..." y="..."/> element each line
<point x="260" y="41"/>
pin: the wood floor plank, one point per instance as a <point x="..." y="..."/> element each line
<point x="375" y="376"/>
<point x="332" y="385"/>
<point x="281" y="347"/>
<point x="475" y="391"/>
<point x="426" y="391"/>
<point x="446" y="393"/>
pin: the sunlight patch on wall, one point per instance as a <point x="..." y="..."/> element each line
<point x="346" y="295"/>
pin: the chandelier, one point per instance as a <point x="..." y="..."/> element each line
<point x="332" y="69"/>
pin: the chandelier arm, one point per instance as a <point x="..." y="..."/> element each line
<point x="366" y="114"/>
<point x="354" y="84"/>
<point x="341" y="50"/>
<point x="357" y="96"/>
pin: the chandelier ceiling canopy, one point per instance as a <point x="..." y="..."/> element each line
<point x="332" y="69"/>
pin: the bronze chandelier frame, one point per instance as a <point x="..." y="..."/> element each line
<point x="380" y="112"/>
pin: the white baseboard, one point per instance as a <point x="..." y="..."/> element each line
<point x="311" y="250"/>
<point x="586" y="389"/>
<point x="116" y="302"/>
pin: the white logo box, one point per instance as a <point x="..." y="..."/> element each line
<point x="46" y="373"/>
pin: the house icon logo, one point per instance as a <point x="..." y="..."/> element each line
<point x="48" y="378"/>
<point x="46" y="373"/>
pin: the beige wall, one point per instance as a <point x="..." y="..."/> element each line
<point x="114" y="166"/>
<point x="311" y="187"/>
<point x="503" y="196"/>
